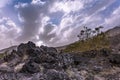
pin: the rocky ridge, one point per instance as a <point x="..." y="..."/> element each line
<point x="30" y="62"/>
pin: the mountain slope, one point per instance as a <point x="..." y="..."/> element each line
<point x="9" y="49"/>
<point x="114" y="38"/>
<point x="113" y="32"/>
<point x="110" y="39"/>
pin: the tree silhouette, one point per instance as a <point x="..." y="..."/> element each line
<point x="87" y="33"/>
<point x="81" y="35"/>
<point x="97" y="29"/>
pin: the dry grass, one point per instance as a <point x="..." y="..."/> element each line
<point x="2" y="55"/>
<point x="96" y="43"/>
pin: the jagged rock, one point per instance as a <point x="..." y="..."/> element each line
<point x="115" y="59"/>
<point x="55" y="66"/>
<point x="21" y="49"/>
<point x="44" y="58"/>
<point x="39" y="76"/>
<point x="10" y="56"/>
<point x="48" y="49"/>
<point x="7" y="76"/>
<point x="14" y="76"/>
<point x="56" y="75"/>
<point x="66" y="60"/>
<point x="25" y="48"/>
<point x="97" y="69"/>
<point x="18" y="67"/>
<point x="74" y="74"/>
<point x="80" y="59"/>
<point x="5" y="68"/>
<point x="30" y="67"/>
<point x="105" y="52"/>
<point x="31" y="44"/>
<point x="34" y="52"/>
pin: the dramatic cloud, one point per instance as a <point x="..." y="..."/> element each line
<point x="114" y="18"/>
<point x="8" y="32"/>
<point x="66" y="7"/>
<point x="30" y="15"/>
<point x="53" y="22"/>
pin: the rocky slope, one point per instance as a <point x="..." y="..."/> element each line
<point x="113" y="32"/>
<point x="108" y="39"/>
<point x="30" y="62"/>
<point x="9" y="49"/>
<point x="114" y="37"/>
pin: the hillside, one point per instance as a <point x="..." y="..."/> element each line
<point x="113" y="32"/>
<point x="8" y="49"/>
<point x="95" y="43"/>
<point x="110" y="40"/>
<point x="114" y="38"/>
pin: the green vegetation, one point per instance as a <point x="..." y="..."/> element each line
<point x="94" y="43"/>
<point x="1" y="55"/>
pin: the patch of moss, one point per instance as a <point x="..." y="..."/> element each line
<point x="95" y="43"/>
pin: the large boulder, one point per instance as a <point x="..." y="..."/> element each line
<point x="21" y="49"/>
<point x="30" y="67"/>
<point x="25" y="48"/>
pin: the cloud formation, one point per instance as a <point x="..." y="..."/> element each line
<point x="54" y="22"/>
<point x="8" y="32"/>
<point x="3" y="3"/>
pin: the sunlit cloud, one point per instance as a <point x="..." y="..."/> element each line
<point x="53" y="22"/>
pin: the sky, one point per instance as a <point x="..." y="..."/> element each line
<point x="53" y="22"/>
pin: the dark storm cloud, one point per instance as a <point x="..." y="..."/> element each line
<point x="46" y="35"/>
<point x="31" y="15"/>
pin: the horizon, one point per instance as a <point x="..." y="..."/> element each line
<point x="53" y="22"/>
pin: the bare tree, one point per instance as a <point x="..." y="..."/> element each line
<point x="87" y="33"/>
<point x="84" y="34"/>
<point x="81" y="35"/>
<point x="97" y="29"/>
